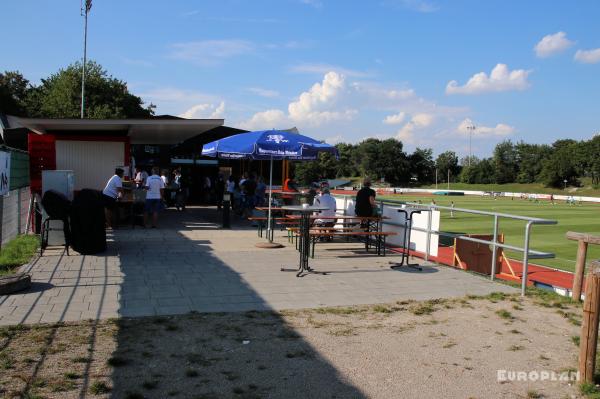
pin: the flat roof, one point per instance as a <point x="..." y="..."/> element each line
<point x="140" y="131"/>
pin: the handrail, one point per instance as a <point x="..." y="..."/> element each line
<point x="525" y="250"/>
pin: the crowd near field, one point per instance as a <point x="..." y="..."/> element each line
<point x="581" y="217"/>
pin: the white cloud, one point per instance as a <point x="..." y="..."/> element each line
<point x="315" y="107"/>
<point x="333" y="140"/>
<point x="269" y="119"/>
<point x="588" y="56"/>
<point x="263" y="92"/>
<point x="419" y="121"/>
<point x="500" y="79"/>
<point x="552" y="44"/>
<point x="322" y="69"/>
<point x="395" y="119"/>
<point x="205" y="111"/>
<point x="211" y="52"/>
<point x="500" y="129"/>
<point x="175" y="101"/>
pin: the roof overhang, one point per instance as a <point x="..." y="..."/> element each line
<point x="140" y="131"/>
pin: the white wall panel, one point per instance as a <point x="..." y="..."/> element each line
<point x="93" y="162"/>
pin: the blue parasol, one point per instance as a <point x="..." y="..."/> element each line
<point x="268" y="145"/>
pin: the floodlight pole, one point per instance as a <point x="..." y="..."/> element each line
<point x="471" y="129"/>
<point x="84" y="10"/>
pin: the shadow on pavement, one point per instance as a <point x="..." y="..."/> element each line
<point x="191" y="354"/>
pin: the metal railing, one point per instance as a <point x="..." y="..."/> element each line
<point x="527" y="252"/>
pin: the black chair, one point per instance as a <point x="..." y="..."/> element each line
<point x="55" y="207"/>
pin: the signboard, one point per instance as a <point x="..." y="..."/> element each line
<point x="4" y="172"/>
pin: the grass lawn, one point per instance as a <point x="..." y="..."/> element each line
<point x="17" y="252"/>
<point x="581" y="218"/>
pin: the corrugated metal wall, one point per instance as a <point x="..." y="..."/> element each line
<point x="14" y="207"/>
<point x="19" y="170"/>
<point x="93" y="162"/>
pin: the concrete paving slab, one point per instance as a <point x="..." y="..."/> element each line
<point x="190" y="264"/>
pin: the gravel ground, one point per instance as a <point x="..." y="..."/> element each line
<point x="433" y="349"/>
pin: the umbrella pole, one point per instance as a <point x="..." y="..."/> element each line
<point x="270" y="244"/>
<point x="269" y="233"/>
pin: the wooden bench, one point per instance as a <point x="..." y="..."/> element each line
<point x="294" y="231"/>
<point x="381" y="237"/>
<point x="278" y="220"/>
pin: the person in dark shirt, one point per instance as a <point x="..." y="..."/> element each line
<point x="365" y="200"/>
<point x="249" y="190"/>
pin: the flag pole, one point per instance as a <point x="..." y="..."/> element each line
<point x="85" y="8"/>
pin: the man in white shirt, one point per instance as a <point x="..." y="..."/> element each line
<point x="140" y="177"/>
<point x="110" y="194"/>
<point x="155" y="187"/>
<point x="325" y="199"/>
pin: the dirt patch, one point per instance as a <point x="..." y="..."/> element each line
<point x="443" y="348"/>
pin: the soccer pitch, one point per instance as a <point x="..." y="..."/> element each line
<point x="580" y="218"/>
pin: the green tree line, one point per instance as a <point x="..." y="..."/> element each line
<point x="552" y="165"/>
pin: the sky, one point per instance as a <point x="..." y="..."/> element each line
<point x="430" y="73"/>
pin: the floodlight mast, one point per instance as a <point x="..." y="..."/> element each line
<point x="85" y="7"/>
<point x="471" y="128"/>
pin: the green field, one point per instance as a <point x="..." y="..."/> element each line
<point x="581" y="218"/>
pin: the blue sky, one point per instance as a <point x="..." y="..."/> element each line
<point x="421" y="71"/>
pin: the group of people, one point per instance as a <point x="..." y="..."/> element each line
<point x="246" y="193"/>
<point x="154" y="186"/>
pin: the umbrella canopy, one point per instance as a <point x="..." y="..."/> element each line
<point x="266" y="145"/>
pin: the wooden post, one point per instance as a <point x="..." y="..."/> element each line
<point x="589" y="326"/>
<point x="579" y="269"/>
<point x="583" y="241"/>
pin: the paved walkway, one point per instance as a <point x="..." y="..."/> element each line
<point x="189" y="264"/>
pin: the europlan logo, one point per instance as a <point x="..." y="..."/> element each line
<point x="537" y="375"/>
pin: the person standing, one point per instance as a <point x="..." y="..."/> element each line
<point x="261" y="192"/>
<point x="140" y="177"/>
<point x="110" y="195"/>
<point x="154" y="197"/>
<point x="249" y="192"/>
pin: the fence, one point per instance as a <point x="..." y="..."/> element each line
<point x="14" y="207"/>
<point x="431" y="231"/>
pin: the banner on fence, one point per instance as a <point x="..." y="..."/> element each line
<point x="4" y="172"/>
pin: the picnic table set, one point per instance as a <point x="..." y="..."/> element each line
<point x="298" y="220"/>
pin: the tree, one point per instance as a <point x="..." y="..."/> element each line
<point x="345" y="165"/>
<point x="505" y="162"/>
<point x="324" y="167"/>
<point x="421" y="165"/>
<point x="13" y="93"/>
<point x="59" y="96"/>
<point x="469" y="171"/>
<point x="447" y="161"/>
<point x="560" y="165"/>
<point x="529" y="161"/>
